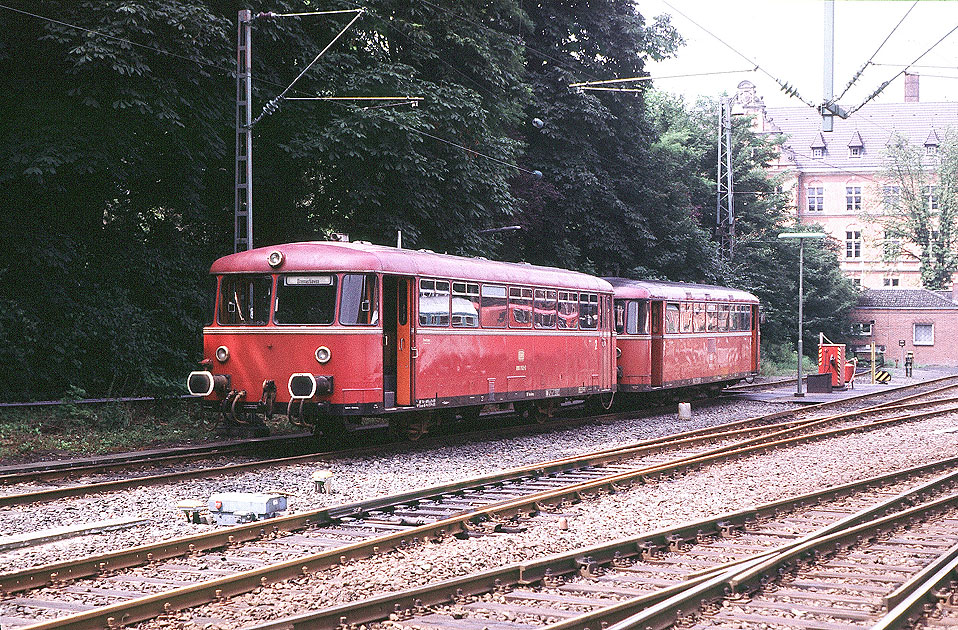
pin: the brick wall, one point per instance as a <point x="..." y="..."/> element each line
<point x="892" y="325"/>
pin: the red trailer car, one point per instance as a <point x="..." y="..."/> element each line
<point x="328" y="329"/>
<point x="671" y="334"/>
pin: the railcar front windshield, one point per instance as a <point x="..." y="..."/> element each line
<point x="244" y="300"/>
<point x="305" y="299"/>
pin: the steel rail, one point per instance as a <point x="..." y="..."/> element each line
<point x="36" y="577"/>
<point x="41" y="471"/>
<point x="60" y="572"/>
<point x="123" y="484"/>
<point x="184" y="597"/>
<point x="931" y="584"/>
<point x="380" y="607"/>
<point x="666" y="613"/>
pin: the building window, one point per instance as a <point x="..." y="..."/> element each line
<point x="931" y="194"/>
<point x="818" y="152"/>
<point x="890" y="282"/>
<point x="853" y="198"/>
<point x="857" y="283"/>
<point x="890" y="197"/>
<point x="816" y="199"/>
<point x="891" y="248"/>
<point x="853" y="244"/>
<point x="861" y="329"/>
<point x="855" y="152"/>
<point x="931" y="149"/>
<point x="924" y="334"/>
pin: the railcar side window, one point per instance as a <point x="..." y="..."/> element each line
<point x="465" y="305"/>
<point x="748" y="317"/>
<point x="711" y="320"/>
<point x="305" y="299"/>
<point x="723" y="312"/>
<point x="671" y="317"/>
<point x="642" y="326"/>
<point x="545" y="308"/>
<point x="632" y="318"/>
<point x="520" y="307"/>
<point x="359" y="300"/>
<point x="244" y="300"/>
<point x="588" y="311"/>
<point x="568" y="310"/>
<point x="698" y="319"/>
<point x="494" y="306"/>
<point x="685" y="320"/>
<point x="618" y="315"/>
<point x="433" y="302"/>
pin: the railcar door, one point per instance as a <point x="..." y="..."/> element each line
<point x="608" y="343"/>
<point x="658" y="343"/>
<point x="756" y="339"/>
<point x="398" y="370"/>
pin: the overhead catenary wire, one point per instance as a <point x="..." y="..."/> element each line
<point x="593" y="84"/>
<point x="274" y="104"/>
<point x="786" y="87"/>
<point x="288" y="88"/>
<point x="885" y="84"/>
<point x="861" y="70"/>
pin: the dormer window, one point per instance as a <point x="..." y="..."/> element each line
<point x="856" y="147"/>
<point x="818" y="146"/>
<point x="931" y="143"/>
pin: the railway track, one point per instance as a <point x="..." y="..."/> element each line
<point x="175" y="574"/>
<point x="98" y="486"/>
<point x="830" y="560"/>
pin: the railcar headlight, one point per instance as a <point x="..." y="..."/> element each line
<point x="222" y="354"/>
<point x="323" y="354"/>
<point x="275" y="258"/>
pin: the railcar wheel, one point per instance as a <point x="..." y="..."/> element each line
<point x="546" y="409"/>
<point x="413" y="426"/>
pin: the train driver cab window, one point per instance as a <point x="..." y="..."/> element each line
<point x="711" y="319"/>
<point x="545" y="308"/>
<point x="685" y="321"/>
<point x="588" y="311"/>
<point x="698" y="317"/>
<point x="465" y="305"/>
<point x="568" y="310"/>
<point x="637" y="319"/>
<point x="672" y="317"/>
<point x="359" y="300"/>
<point x="433" y="302"/>
<point x="244" y="300"/>
<point x="520" y="307"/>
<point x="305" y="299"/>
<point x="748" y="317"/>
<point x="494" y="306"/>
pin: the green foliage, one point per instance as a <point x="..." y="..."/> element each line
<point x="929" y="229"/>
<point x="116" y="166"/>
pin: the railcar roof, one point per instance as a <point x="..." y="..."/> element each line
<point x="659" y="290"/>
<point x="336" y="256"/>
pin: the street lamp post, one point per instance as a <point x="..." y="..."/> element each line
<point x="801" y="237"/>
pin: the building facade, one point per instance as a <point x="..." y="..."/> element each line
<point x="835" y="178"/>
<point x="899" y="321"/>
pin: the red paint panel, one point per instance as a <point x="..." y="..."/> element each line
<point x="355" y="363"/>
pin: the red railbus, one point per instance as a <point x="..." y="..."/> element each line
<point x="324" y="330"/>
<point x="671" y="335"/>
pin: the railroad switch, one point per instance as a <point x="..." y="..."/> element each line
<point x="195" y="511"/>
<point x="233" y="508"/>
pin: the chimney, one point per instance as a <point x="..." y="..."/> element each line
<point x="911" y="88"/>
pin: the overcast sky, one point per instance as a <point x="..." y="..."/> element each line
<point x="786" y="38"/>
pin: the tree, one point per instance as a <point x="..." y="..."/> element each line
<point x="921" y="205"/>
